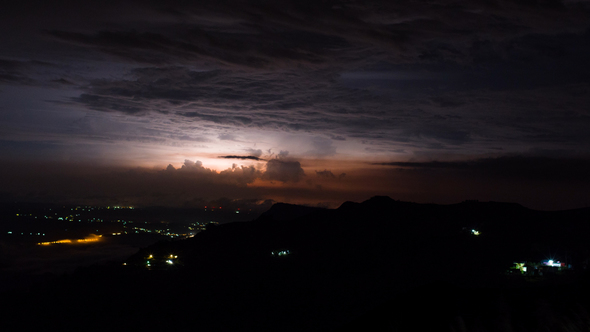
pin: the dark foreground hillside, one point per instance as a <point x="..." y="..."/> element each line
<point x="377" y="265"/>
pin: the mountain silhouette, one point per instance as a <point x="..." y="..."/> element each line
<point x="297" y="268"/>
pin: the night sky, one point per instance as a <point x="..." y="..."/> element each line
<point x="180" y="103"/>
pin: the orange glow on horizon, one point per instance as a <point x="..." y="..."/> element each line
<point x="91" y="238"/>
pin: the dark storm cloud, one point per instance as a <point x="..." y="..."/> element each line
<point x="277" y="100"/>
<point x="141" y="186"/>
<point x="171" y="186"/>
<point x="232" y="120"/>
<point x="287" y="34"/>
<point x="511" y="167"/>
<point x="283" y="34"/>
<point x="283" y="170"/>
<point x="242" y="175"/>
<point x="30" y="72"/>
<point x="105" y="103"/>
<point x="420" y="75"/>
<point x="255" y="34"/>
<point x="365" y="79"/>
<point x="62" y="81"/>
<point x="15" y="72"/>
<point x="337" y="137"/>
<point x="255" y="47"/>
<point x="264" y="100"/>
<point x="430" y="164"/>
<point x="241" y="157"/>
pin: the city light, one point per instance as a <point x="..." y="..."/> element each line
<point x="280" y="253"/>
<point x="552" y="263"/>
<point x="91" y="238"/>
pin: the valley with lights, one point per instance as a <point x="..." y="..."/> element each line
<point x="296" y="268"/>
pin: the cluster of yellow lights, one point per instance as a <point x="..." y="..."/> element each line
<point x="170" y="260"/>
<point x="171" y="256"/>
<point x="88" y="239"/>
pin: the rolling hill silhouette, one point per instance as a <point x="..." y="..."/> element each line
<point x="297" y="268"/>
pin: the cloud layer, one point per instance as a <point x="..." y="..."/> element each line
<point x="342" y="86"/>
<point x="536" y="182"/>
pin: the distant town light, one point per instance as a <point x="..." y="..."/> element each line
<point x="553" y="263"/>
<point x="475" y="232"/>
<point x="280" y="252"/>
<point x="521" y="267"/>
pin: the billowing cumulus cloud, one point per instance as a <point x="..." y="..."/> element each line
<point x="237" y="175"/>
<point x="283" y="170"/>
<point x="241" y="175"/>
<point x="170" y="186"/>
<point x="539" y="182"/>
